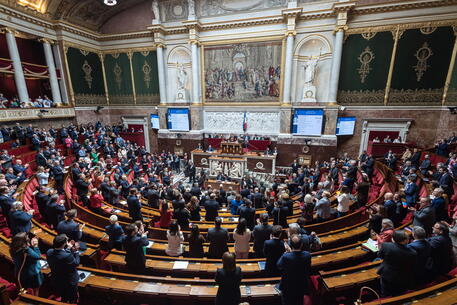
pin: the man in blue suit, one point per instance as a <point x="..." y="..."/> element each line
<point x="424" y="260"/>
<point x="295" y="266"/>
<point x="446" y="182"/>
<point x="133" y="246"/>
<point x="273" y="249"/>
<point x="6" y="202"/>
<point x="20" y="221"/>
<point x="69" y="227"/>
<point x="63" y="260"/>
<point x="441" y="252"/>
<point x="134" y="205"/>
<point x="411" y="192"/>
<point x="115" y="233"/>
<point x="425" y="165"/>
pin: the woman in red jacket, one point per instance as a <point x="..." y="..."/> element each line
<point x="96" y="201"/>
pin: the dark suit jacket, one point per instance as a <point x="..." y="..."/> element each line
<point x="411" y="192"/>
<point x="69" y="228"/>
<point x="441" y="253"/>
<point x="55" y="213"/>
<point x="82" y="187"/>
<point x="229" y="282"/>
<point x="218" y="239"/>
<point x="134" y="208"/>
<point x="295" y="267"/>
<point x="134" y="256"/>
<point x="446" y="183"/>
<point x="425" y="218"/>
<point x="40" y="159"/>
<point x="423" y="262"/>
<point x="116" y="235"/>
<point x="63" y="265"/>
<point x="5" y="204"/>
<point x="398" y="264"/>
<point x="248" y="214"/>
<point x="20" y="221"/>
<point x="273" y="249"/>
<point x="212" y="208"/>
<point x="261" y="233"/>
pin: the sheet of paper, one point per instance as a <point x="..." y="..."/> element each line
<point x="180" y="265"/>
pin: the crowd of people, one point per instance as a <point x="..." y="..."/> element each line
<point x="101" y="154"/>
<point x="39" y="102"/>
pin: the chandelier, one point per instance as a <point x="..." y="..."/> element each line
<point x="110" y="2"/>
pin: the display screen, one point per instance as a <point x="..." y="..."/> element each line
<point x="345" y="126"/>
<point x="308" y="122"/>
<point x="178" y="119"/>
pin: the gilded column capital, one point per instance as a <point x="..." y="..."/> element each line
<point x="338" y="28"/>
<point x="5" y="30"/>
<point x="194" y="41"/>
<point x="290" y="33"/>
<point x="159" y="45"/>
<point x="46" y="40"/>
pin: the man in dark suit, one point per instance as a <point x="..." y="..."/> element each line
<point x="75" y="172"/>
<point x="40" y="158"/>
<point x="134" y="205"/>
<point x="441" y="253"/>
<point x="411" y="192"/>
<point x="273" y="249"/>
<point x="295" y="266"/>
<point x="211" y="207"/>
<point x="446" y="182"/>
<point x="58" y="174"/>
<point x="105" y="189"/>
<point x="425" y="216"/>
<point x="63" y="260"/>
<point x="69" y="227"/>
<point x="195" y="190"/>
<point x="261" y="233"/>
<point x="218" y="238"/>
<point x="247" y="212"/>
<point x="55" y="211"/>
<point x="397" y="269"/>
<point x="115" y="233"/>
<point x="425" y="165"/>
<point x="134" y="243"/>
<point x="191" y="170"/>
<point x="153" y="196"/>
<point x="20" y="221"/>
<point x="82" y="188"/>
<point x="258" y="199"/>
<point x="424" y="260"/>
<point x="6" y="202"/>
<point x="42" y="200"/>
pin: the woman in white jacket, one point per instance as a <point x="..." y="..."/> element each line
<point x="242" y="236"/>
<point x="175" y="239"/>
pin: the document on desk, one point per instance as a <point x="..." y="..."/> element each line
<point x="371" y="245"/>
<point x="150" y="244"/>
<point x="180" y="265"/>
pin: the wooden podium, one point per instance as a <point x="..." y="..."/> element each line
<point x="231" y="148"/>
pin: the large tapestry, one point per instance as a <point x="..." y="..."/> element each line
<point x="146" y="77"/>
<point x="86" y="76"/>
<point x="421" y="65"/>
<point x="244" y="72"/>
<point x="451" y="97"/>
<point x="365" y="68"/>
<point x="119" y="78"/>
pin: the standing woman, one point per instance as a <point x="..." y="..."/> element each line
<point x="242" y="236"/>
<point x="175" y="239"/>
<point x="228" y="278"/>
<point x="166" y="213"/>
<point x="26" y="256"/>
<point x="196" y="241"/>
<point x="194" y="209"/>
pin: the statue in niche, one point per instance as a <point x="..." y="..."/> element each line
<point x="309" y="90"/>
<point x="181" y="74"/>
<point x="191" y="7"/>
<point x="155" y="10"/>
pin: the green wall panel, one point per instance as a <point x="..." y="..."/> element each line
<point x="119" y="78"/>
<point x="365" y="68"/>
<point x="146" y="77"/>
<point x="421" y="66"/>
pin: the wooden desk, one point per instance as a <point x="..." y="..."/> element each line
<point x="226" y="185"/>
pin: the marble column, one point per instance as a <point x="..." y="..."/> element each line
<point x="52" y="72"/>
<point x="195" y="77"/>
<point x="288" y="68"/>
<point x="336" y="64"/>
<point x="161" y="70"/>
<point x="19" y="78"/>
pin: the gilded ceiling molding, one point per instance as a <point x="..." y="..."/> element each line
<point x="401" y="26"/>
<point x="129" y="50"/>
<point x="371" y="9"/>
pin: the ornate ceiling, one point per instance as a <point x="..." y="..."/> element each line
<point x="91" y="14"/>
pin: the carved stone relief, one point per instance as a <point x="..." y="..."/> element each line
<point x="232" y="122"/>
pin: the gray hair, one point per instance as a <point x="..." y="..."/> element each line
<point x="387" y="222"/>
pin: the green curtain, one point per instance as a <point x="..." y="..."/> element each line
<point x="364" y="68"/>
<point x="146" y="77"/>
<point x="119" y="78"/>
<point x="86" y="77"/>
<point x="421" y="66"/>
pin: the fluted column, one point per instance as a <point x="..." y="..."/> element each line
<point x="195" y="77"/>
<point x="19" y="78"/>
<point x="336" y="64"/>
<point x="52" y="72"/>
<point x="288" y="67"/>
<point x="161" y="69"/>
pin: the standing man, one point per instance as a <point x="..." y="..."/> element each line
<point x="397" y="267"/>
<point x="261" y="233"/>
<point x="134" y="205"/>
<point x="63" y="260"/>
<point x="218" y="238"/>
<point x="134" y="243"/>
<point x="295" y="266"/>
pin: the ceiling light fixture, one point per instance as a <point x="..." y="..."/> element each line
<point x="110" y="2"/>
